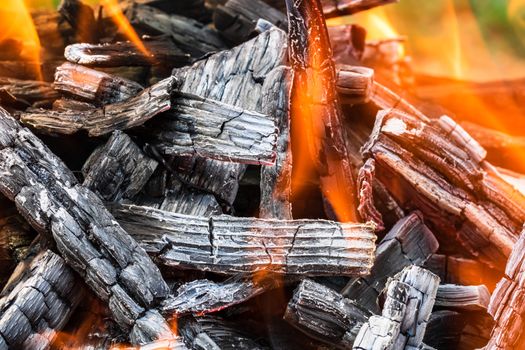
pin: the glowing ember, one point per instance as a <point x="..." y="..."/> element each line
<point x="16" y="26"/>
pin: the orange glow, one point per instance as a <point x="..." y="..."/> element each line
<point x="113" y="9"/>
<point x="16" y="24"/>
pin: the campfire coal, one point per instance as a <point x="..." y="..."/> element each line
<point x="220" y="174"/>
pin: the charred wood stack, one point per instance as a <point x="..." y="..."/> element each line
<point x="149" y="195"/>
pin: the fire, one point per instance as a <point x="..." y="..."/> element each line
<point x="16" y="24"/>
<point x="113" y="9"/>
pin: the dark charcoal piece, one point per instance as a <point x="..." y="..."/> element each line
<point x="189" y="35"/>
<point x="28" y="92"/>
<point x="159" y="51"/>
<point x="437" y="167"/>
<point x="93" y="86"/>
<point x="81" y="18"/>
<point x="444" y="329"/>
<point x="309" y="45"/>
<point x="47" y="194"/>
<point x="104" y="120"/>
<point x="237" y="19"/>
<point x="409" y="300"/>
<point x="211" y="129"/>
<point x="243" y="73"/>
<point x="470" y="298"/>
<point x="205" y="333"/>
<point x="190" y="8"/>
<point x="336" y="8"/>
<point x="118" y="170"/>
<point x="228" y="245"/>
<point x="506" y="304"/>
<point x="15" y="238"/>
<point x="37" y="303"/>
<point x="325" y="315"/>
<point x="409" y="242"/>
<point x="203" y="296"/>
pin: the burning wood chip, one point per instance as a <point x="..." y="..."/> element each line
<point x="336" y="8"/>
<point x="473" y="298"/>
<point x="409" y="300"/>
<point x="506" y="305"/>
<point x="37" y="302"/>
<point x="47" y="194"/>
<point x="325" y="315"/>
<point x="228" y="245"/>
<point x="118" y="170"/>
<point x="408" y="243"/>
<point x="189" y="35"/>
<point x="93" y="86"/>
<point x="100" y="121"/>
<point x="441" y="171"/>
<point x="125" y="53"/>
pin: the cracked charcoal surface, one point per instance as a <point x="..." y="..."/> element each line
<point x="211" y="129"/>
<point x="38" y="302"/>
<point x="239" y="81"/>
<point x="409" y="242"/>
<point x="113" y="265"/>
<point x="104" y="120"/>
<point x="118" y="170"/>
<point x="228" y="245"/>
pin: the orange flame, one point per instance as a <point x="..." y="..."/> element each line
<point x="114" y="11"/>
<point x="16" y="24"/>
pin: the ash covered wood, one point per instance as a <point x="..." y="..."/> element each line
<point x="93" y="86"/>
<point x="212" y="129"/>
<point x="37" y="302"/>
<point x="409" y="300"/>
<point x="409" y="242"/>
<point x="103" y="120"/>
<point x="159" y="51"/>
<point x="325" y="315"/>
<point x="118" y="170"/>
<point x="47" y="194"/>
<point x="473" y="298"/>
<point x="227" y="244"/>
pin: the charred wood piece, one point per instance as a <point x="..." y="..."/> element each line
<point x="29" y="92"/>
<point x="237" y="19"/>
<point x="354" y="84"/>
<point x="229" y="245"/>
<point x="201" y="297"/>
<point x="336" y="8"/>
<point x="81" y="18"/>
<point x="444" y="329"/>
<point x="188" y="35"/>
<point x="365" y="194"/>
<point x="506" y="305"/>
<point x="113" y="265"/>
<point x="118" y="170"/>
<point x="68" y="104"/>
<point x="248" y="65"/>
<point x="409" y="242"/>
<point x="449" y="181"/>
<point x="93" y="86"/>
<point x="197" y="9"/>
<point x="42" y="297"/>
<point x="158" y="51"/>
<point x="409" y="300"/>
<point x="348" y="43"/>
<point x="470" y="298"/>
<point x="15" y="238"/>
<point x="200" y="126"/>
<point x="104" y="120"/>
<point x="325" y="315"/>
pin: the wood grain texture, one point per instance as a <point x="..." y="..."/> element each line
<point x="471" y="298"/>
<point x="228" y="245"/>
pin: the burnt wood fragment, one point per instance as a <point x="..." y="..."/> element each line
<point x="197" y="9"/>
<point x="348" y="43"/>
<point x="237" y="19"/>
<point x="188" y="35"/>
<point x="118" y="170"/>
<point x="103" y="120"/>
<point x="444" y="329"/>
<point x="336" y="8"/>
<point x="47" y="194"/>
<point x="15" y="238"/>
<point x="325" y="315"/>
<point x="471" y="298"/>
<point x="81" y="18"/>
<point x="409" y="242"/>
<point x="30" y="92"/>
<point x="93" y="86"/>
<point x="365" y="194"/>
<point x="410" y="296"/>
<point x="228" y="245"/>
<point x="38" y="302"/>
<point x="159" y="51"/>
<point x="211" y="129"/>
<point x="354" y="84"/>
